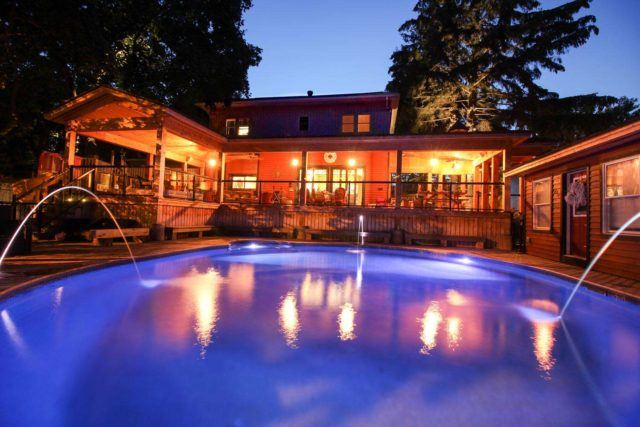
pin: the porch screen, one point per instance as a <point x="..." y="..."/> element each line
<point x="621" y="194"/>
<point x="542" y="204"/>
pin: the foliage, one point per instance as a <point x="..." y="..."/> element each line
<point x="477" y="63"/>
<point x="176" y="51"/>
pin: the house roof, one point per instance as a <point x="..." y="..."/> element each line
<point x="590" y="145"/>
<point x="392" y="98"/>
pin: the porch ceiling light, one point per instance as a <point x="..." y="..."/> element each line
<point x="213" y="163"/>
<point x="295" y="162"/>
<point x="352" y="162"/>
<point x="434" y="161"/>
<point x="457" y="165"/>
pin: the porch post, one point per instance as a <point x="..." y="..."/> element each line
<point x="484" y="196"/>
<point x="495" y="177"/>
<point x="506" y="192"/>
<point x="303" y="179"/>
<point x="150" y="163"/>
<point x="70" y="145"/>
<point x="398" y="178"/>
<point x="159" y="164"/>
<point x="221" y="172"/>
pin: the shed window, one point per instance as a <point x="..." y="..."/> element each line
<point x="542" y="204"/>
<point x="621" y="194"/>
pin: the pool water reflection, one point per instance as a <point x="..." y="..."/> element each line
<point x="316" y="336"/>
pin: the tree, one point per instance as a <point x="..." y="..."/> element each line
<point x="176" y="51"/>
<point x="476" y="63"/>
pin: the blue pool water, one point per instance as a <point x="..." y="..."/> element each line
<point x="316" y="336"/>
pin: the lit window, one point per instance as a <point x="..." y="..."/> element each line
<point x="230" y="127"/>
<point x="243" y="182"/>
<point x="304" y="123"/>
<point x="348" y="124"/>
<point x="364" y="123"/>
<point x="243" y="127"/>
<point x="621" y="194"/>
<point x="542" y="204"/>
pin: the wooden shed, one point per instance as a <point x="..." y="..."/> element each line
<point x="577" y="197"/>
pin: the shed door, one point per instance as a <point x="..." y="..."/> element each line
<point x="576" y="208"/>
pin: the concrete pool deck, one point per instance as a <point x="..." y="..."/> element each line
<point x="49" y="260"/>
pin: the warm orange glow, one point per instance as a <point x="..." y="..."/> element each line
<point x="430" y="325"/>
<point x="352" y="162"/>
<point x="295" y="162"/>
<point x="205" y="296"/>
<point x="456" y="298"/>
<point x="457" y="166"/>
<point x="213" y="163"/>
<point x="454" y="328"/>
<point x="289" y="319"/>
<point x="434" y="162"/>
<point x="346" y="322"/>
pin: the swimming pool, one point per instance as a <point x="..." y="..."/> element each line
<point x="316" y="335"/>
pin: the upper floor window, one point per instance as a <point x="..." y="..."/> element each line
<point x="243" y="127"/>
<point x="542" y="204"/>
<point x="304" y="123"/>
<point x="364" y="123"/>
<point x="237" y="127"/>
<point x="360" y="123"/>
<point x="621" y="194"/>
<point x="348" y="123"/>
<point x="230" y="127"/>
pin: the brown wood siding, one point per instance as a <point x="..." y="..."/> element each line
<point x="623" y="257"/>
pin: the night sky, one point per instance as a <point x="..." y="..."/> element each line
<point x="343" y="46"/>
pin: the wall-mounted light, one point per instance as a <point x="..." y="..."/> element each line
<point x="456" y="165"/>
<point x="352" y="162"/>
<point x="295" y="162"/>
<point x="213" y="163"/>
<point x="434" y="162"/>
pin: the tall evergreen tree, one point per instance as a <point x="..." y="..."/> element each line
<point x="477" y="63"/>
<point x="176" y="51"/>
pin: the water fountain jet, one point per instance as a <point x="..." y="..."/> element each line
<point x="596" y="258"/>
<point x="53" y="193"/>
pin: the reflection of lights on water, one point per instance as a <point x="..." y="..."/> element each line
<point x="289" y="319"/>
<point x="456" y="298"/>
<point x="11" y="329"/>
<point x="454" y="327"/>
<point x="429" y="331"/>
<point x="466" y="260"/>
<point x="543" y="342"/>
<point x="57" y="297"/>
<point x="205" y="294"/>
<point x="311" y="292"/>
<point x="346" y="322"/>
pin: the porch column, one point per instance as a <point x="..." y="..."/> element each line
<point x="506" y="192"/>
<point x="398" y="179"/>
<point x="522" y="188"/>
<point x="159" y="164"/>
<point x="484" y="198"/>
<point x="221" y="172"/>
<point x="495" y="177"/>
<point x="303" y="179"/>
<point x="70" y="137"/>
<point x="150" y="163"/>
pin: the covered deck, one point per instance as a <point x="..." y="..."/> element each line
<point x="141" y="148"/>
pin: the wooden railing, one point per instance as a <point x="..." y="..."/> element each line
<point x="114" y="180"/>
<point x="452" y="196"/>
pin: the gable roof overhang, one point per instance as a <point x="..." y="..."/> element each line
<point x="594" y="144"/>
<point x="123" y="119"/>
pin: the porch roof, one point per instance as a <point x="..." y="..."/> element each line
<point x="448" y="141"/>
<point x="123" y="119"/>
<point x="602" y="141"/>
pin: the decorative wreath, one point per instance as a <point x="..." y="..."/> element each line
<point x="330" y="157"/>
<point x="577" y="194"/>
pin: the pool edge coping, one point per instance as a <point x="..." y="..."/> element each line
<point x="35" y="282"/>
